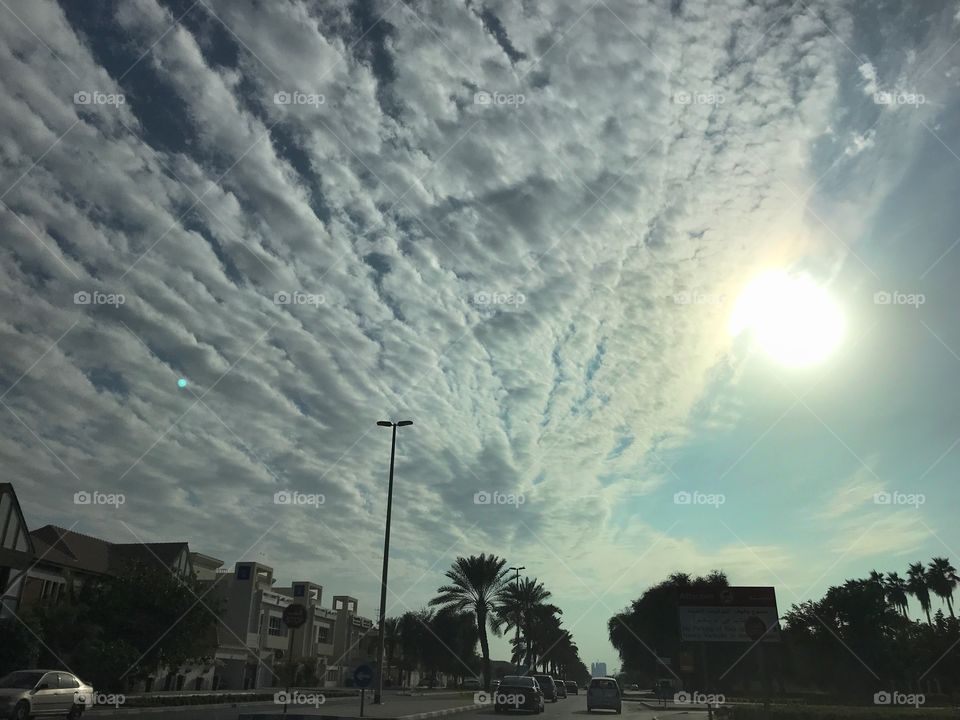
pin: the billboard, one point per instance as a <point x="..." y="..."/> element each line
<point x="728" y="614"/>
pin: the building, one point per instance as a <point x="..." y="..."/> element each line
<point x="598" y="669"/>
<point x="17" y="553"/>
<point x="250" y="645"/>
<point x="254" y="644"/>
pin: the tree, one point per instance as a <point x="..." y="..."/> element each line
<point x="18" y="647"/>
<point x="477" y="585"/>
<point x="125" y="626"/>
<point x="942" y="578"/>
<point x="895" y="589"/>
<point x="917" y="585"/>
<point x="516" y="611"/>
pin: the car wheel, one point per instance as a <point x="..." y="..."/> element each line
<point x="75" y="712"/>
<point x="21" y="710"/>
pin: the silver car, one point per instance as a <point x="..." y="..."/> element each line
<point x="25" y="693"/>
<point x="603" y="693"/>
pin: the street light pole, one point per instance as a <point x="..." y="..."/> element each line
<point x="517" y="582"/>
<point x="378" y="692"/>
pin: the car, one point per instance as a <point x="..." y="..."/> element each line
<point x="548" y="687"/>
<point x="518" y="692"/>
<point x="572" y="688"/>
<point x="561" y="689"/>
<point x="603" y="693"/>
<point x="471" y="684"/>
<point x="494" y="684"/>
<point x="29" y="693"/>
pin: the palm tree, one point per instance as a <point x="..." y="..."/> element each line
<point x="516" y="608"/>
<point x="917" y="585"/>
<point x="477" y="585"/>
<point x="942" y="578"/>
<point x="895" y="591"/>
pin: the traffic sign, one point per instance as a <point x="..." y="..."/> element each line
<point x="294" y="615"/>
<point x="363" y="676"/>
<point x="728" y="614"/>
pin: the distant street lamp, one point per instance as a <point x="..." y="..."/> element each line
<point x="517" y="581"/>
<point x="378" y="692"/>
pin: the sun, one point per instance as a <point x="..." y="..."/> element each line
<point x="791" y="317"/>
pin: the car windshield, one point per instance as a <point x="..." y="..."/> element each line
<point x="22" y="679"/>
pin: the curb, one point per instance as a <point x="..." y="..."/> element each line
<point x="415" y="716"/>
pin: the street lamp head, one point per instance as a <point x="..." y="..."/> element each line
<point x="384" y="423"/>
<point x="404" y="423"/>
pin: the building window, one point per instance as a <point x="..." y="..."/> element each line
<point x="322" y="633"/>
<point x="275" y="627"/>
<point x="51" y="590"/>
<point x="298" y="590"/>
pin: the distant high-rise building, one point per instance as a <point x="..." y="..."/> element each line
<point x="598" y="669"/>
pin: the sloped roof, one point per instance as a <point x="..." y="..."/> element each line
<point x="59" y="546"/>
<point x="7" y="489"/>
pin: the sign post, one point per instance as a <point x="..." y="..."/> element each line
<point x="294" y="616"/>
<point x="730" y="614"/>
<point x="362" y="677"/>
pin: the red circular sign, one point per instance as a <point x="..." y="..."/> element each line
<point x="755" y="627"/>
<point x="294" y="615"/>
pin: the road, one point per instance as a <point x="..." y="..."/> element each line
<point x="573" y="708"/>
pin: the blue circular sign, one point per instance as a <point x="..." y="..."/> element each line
<point x="363" y="676"/>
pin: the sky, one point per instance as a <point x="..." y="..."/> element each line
<point x="237" y="234"/>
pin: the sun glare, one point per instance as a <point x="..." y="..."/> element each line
<point x="792" y="318"/>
